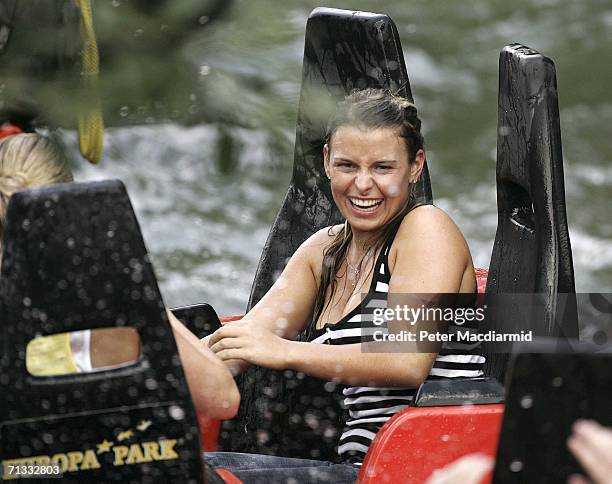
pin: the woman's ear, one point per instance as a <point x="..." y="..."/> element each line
<point x="326" y="159"/>
<point x="416" y="167"/>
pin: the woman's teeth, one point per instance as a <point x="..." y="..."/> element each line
<point x="364" y="204"/>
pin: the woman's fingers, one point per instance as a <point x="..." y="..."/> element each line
<point x="469" y="469"/>
<point x="576" y="479"/>
<point x="231" y="354"/>
<point x="227" y="331"/>
<point x="226" y="343"/>
<point x="590" y="443"/>
<point x="595" y="436"/>
<point x="585" y="457"/>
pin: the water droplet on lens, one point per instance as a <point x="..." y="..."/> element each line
<point x="177" y="413"/>
<point x="151" y="383"/>
<point x="600" y="338"/>
<point x="504" y="130"/>
<point x="557" y="381"/>
<point x="527" y="401"/>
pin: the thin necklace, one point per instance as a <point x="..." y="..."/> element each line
<point x="355" y="271"/>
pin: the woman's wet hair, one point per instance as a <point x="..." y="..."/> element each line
<point x="368" y="109"/>
<point x="377" y="108"/>
<point x="27" y="161"/>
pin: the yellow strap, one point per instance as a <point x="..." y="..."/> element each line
<point x="91" y="124"/>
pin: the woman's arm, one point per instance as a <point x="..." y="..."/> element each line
<point x="287" y="307"/>
<point x="429" y="255"/>
<point x="344" y="363"/>
<point x="212" y="387"/>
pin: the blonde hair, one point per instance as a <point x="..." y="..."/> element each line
<point x="28" y="161"/>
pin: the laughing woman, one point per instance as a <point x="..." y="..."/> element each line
<point x="373" y="156"/>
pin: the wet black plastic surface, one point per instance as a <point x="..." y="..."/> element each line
<point x="201" y="319"/>
<point x="75" y="259"/>
<point x="460" y="391"/>
<point x="532" y="251"/>
<point x="541" y="407"/>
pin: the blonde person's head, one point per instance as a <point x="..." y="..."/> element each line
<point x="28" y="161"/>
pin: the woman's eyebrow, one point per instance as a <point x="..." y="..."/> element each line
<point x="342" y="158"/>
<point x="386" y="161"/>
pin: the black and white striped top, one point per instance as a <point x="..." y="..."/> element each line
<point x="368" y="408"/>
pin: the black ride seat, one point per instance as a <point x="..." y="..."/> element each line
<point x="343" y="50"/>
<point x="532" y="252"/>
<point x="75" y="259"/>
<point x="572" y="381"/>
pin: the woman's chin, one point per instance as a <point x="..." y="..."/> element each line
<point x="365" y="225"/>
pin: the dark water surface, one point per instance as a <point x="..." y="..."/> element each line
<point x="207" y="194"/>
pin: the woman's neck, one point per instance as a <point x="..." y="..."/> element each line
<point x="361" y="244"/>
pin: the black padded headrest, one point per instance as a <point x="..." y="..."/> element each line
<point x="75" y="259"/>
<point x="343" y="50"/>
<point x="532" y="252"/>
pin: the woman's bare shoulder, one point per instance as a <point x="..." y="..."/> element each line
<point x="322" y="238"/>
<point x="426" y="222"/>
<point x="430" y="231"/>
<point x="431" y="253"/>
<point x="313" y="248"/>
